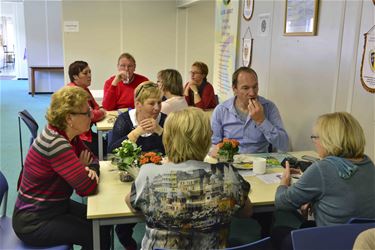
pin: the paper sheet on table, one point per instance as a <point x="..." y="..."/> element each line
<point x="270" y="178"/>
<point x="245" y="173"/>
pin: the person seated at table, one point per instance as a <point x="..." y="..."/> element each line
<point x="119" y="89"/>
<point x="336" y="188"/>
<point x="80" y="75"/>
<point x="57" y="164"/>
<point x="187" y="203"/>
<point x="144" y="124"/>
<point x="170" y="82"/>
<point x="198" y="91"/>
<point x="249" y="118"/>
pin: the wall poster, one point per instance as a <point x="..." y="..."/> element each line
<point x="368" y="61"/>
<point x="226" y="23"/>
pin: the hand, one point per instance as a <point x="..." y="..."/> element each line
<point x="104" y="111"/>
<point x="306" y="210"/>
<point x="85" y="157"/>
<point x="213" y="151"/>
<point x="193" y="86"/>
<point x="92" y="174"/>
<point x="149" y="125"/>
<point x="256" y="111"/>
<point x="120" y="76"/>
<point x="285" y="179"/>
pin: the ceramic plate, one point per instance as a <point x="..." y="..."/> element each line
<point x="243" y="165"/>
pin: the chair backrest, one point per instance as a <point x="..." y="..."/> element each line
<point x="340" y="237"/>
<point x="3" y="194"/>
<point x="32" y="125"/>
<point x="256" y="245"/>
<point x="360" y="220"/>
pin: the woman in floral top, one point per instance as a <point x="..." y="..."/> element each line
<point x="188" y="204"/>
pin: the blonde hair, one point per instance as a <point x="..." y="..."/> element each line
<point x="340" y="134"/>
<point x="147" y="90"/>
<point x="187" y="135"/>
<point x="66" y="100"/>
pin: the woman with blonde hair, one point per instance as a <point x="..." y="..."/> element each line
<point x="170" y="82"/>
<point x="143" y="126"/>
<point x="188" y="203"/>
<point x="57" y="164"/>
<point x="339" y="186"/>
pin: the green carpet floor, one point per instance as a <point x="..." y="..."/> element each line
<point x="14" y="98"/>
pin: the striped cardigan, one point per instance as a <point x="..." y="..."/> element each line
<point x="52" y="170"/>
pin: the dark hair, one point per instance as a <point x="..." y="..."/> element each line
<point x="76" y="68"/>
<point x="238" y="71"/>
<point x="171" y="81"/>
<point x="127" y="56"/>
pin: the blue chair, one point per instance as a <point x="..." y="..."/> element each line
<point x="262" y="244"/>
<point x="340" y="237"/>
<point x="32" y="125"/>
<point x="8" y="239"/>
<point x="360" y="220"/>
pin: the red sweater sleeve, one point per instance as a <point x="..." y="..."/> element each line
<point x="208" y="99"/>
<point x="109" y="98"/>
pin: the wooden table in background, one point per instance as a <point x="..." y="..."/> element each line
<point x="41" y="69"/>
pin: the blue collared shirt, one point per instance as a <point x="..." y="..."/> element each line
<point x="253" y="138"/>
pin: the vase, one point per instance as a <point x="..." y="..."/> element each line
<point x="225" y="156"/>
<point x="125" y="176"/>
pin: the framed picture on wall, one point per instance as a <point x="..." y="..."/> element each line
<point x="248" y="9"/>
<point x="301" y="17"/>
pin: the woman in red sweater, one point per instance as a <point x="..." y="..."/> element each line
<point x="57" y="163"/>
<point x="198" y="91"/>
<point x="80" y="75"/>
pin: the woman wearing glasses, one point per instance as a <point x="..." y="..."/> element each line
<point x="143" y="126"/>
<point x="198" y="91"/>
<point x="336" y="188"/>
<point x="80" y="75"/>
<point x="119" y="89"/>
<point x="57" y="164"/>
<point x="170" y="82"/>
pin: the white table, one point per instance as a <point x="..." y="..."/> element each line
<point x="108" y="206"/>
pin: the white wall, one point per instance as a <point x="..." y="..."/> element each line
<point x="310" y="75"/>
<point x="157" y="33"/>
<point x="44" y="41"/>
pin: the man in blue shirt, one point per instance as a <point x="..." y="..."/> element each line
<point x="251" y="119"/>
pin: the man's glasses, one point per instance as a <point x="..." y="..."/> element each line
<point x="195" y="73"/>
<point x="145" y="86"/>
<point x="88" y="113"/>
<point x="314" y="137"/>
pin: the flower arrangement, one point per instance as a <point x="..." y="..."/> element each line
<point x="227" y="149"/>
<point x="128" y="155"/>
<point x="150" y="157"/>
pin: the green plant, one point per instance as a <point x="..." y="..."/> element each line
<point x="128" y="154"/>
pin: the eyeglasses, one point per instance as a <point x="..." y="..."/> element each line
<point x="145" y="86"/>
<point x="127" y="66"/>
<point x="195" y="73"/>
<point x="314" y="137"/>
<point x="88" y="113"/>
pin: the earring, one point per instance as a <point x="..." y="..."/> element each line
<point x="70" y="125"/>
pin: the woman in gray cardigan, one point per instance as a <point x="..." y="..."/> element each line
<point x="339" y="186"/>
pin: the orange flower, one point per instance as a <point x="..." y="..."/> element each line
<point x="150" y="157"/>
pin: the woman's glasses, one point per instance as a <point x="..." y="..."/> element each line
<point x="145" y="86"/>
<point x="88" y="113"/>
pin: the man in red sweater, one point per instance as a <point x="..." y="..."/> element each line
<point x="119" y="89"/>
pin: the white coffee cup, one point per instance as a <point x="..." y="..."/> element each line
<point x="259" y="165"/>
